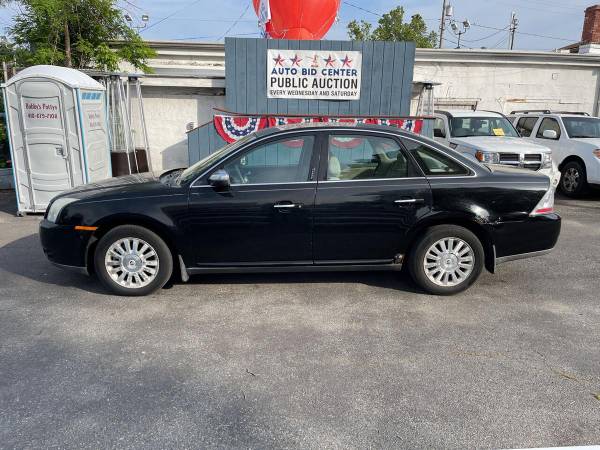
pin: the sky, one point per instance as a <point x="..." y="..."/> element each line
<point x="543" y="24"/>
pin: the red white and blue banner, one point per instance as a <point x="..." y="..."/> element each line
<point x="232" y="128"/>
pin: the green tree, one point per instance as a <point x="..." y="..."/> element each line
<point x="76" y="33"/>
<point x="391" y="27"/>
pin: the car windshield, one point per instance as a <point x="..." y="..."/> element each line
<point x="196" y="170"/>
<point x="582" y="127"/>
<point x="481" y="126"/>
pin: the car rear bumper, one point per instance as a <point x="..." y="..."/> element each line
<point x="65" y="247"/>
<point x="534" y="236"/>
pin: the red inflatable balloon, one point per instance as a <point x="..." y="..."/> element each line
<point x="300" y="19"/>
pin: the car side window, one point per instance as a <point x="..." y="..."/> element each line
<point x="282" y="161"/>
<point x="433" y="162"/>
<point x="548" y="124"/>
<point x="525" y="125"/>
<point x="439" y="129"/>
<point x="363" y="157"/>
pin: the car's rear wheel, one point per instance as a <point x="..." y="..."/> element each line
<point x="446" y="260"/>
<point x="132" y="260"/>
<point x="573" y="180"/>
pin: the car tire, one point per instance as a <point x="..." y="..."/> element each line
<point x="573" y="179"/>
<point x="446" y="260"/>
<point x="133" y="261"/>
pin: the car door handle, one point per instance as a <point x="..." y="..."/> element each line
<point x="409" y="201"/>
<point x="284" y="206"/>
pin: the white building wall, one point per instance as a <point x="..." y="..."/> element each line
<point x="167" y="115"/>
<point x="504" y="82"/>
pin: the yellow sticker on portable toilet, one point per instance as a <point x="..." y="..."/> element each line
<point x="498" y="132"/>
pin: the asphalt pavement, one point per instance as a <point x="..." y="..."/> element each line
<point x="336" y="360"/>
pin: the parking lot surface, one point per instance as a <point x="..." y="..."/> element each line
<point x="331" y="360"/>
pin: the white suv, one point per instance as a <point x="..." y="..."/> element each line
<point x="491" y="138"/>
<point x="575" y="142"/>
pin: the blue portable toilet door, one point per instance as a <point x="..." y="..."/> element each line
<point x="50" y="164"/>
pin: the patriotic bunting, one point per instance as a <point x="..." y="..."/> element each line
<point x="233" y="128"/>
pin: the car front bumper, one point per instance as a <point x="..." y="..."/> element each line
<point x="64" y="246"/>
<point x="533" y="236"/>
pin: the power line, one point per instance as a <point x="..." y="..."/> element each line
<point x="362" y="9"/>
<point x="487" y="37"/>
<point x="526" y="34"/>
<point x="171" y="15"/>
<point x="133" y="5"/>
<point x="237" y="21"/>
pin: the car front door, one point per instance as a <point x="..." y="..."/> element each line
<point x="265" y="216"/>
<point x="369" y="195"/>
<point x="560" y="144"/>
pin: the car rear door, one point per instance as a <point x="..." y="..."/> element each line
<point x="265" y="217"/>
<point x="369" y="195"/>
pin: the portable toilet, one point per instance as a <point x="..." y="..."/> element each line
<point x="57" y="129"/>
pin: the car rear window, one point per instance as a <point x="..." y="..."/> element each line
<point x="433" y="162"/>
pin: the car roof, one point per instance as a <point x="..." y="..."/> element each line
<point x="469" y="113"/>
<point x="549" y="114"/>
<point x="335" y="125"/>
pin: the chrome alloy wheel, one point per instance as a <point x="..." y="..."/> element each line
<point x="449" y="262"/>
<point x="571" y="179"/>
<point x="131" y="263"/>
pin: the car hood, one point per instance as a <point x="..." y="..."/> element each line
<point x="149" y="183"/>
<point x="592" y="142"/>
<point x="502" y="144"/>
<point x="116" y="182"/>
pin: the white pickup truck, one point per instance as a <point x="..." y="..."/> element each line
<point x="491" y="138"/>
<point x="575" y="142"/>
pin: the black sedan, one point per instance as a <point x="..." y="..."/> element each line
<point x="307" y="198"/>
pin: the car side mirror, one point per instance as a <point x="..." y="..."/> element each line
<point x="439" y="133"/>
<point x="220" y="180"/>
<point x="550" y="134"/>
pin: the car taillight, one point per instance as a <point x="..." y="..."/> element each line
<point x="596" y="153"/>
<point x="545" y="205"/>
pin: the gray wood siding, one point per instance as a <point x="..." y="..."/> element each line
<point x="387" y="74"/>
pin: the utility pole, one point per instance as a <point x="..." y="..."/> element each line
<point x="514" y="22"/>
<point x="442" y="24"/>
<point x="68" y="60"/>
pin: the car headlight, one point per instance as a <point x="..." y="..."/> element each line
<point x="56" y="207"/>
<point x="546" y="160"/>
<point x="488" y="157"/>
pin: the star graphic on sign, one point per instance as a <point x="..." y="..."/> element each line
<point x="329" y="61"/>
<point x="346" y="61"/>
<point x="279" y="60"/>
<point x="296" y="60"/>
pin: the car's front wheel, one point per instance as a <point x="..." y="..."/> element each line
<point x="446" y="260"/>
<point x="132" y="260"/>
<point x="573" y="181"/>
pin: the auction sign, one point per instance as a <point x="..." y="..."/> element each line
<point x="309" y="74"/>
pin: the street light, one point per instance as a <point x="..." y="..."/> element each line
<point x="466" y="25"/>
<point x="129" y="19"/>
